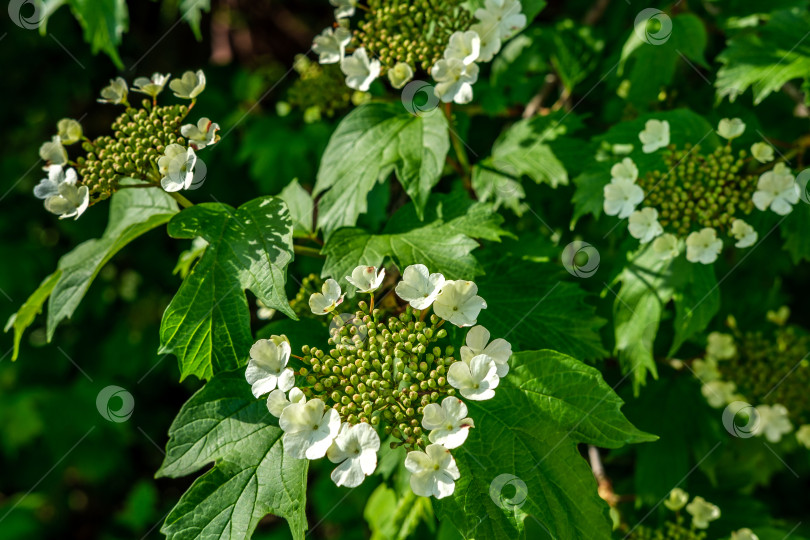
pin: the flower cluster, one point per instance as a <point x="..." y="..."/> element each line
<point x="396" y="39"/>
<point x="775" y="372"/>
<point x="319" y="90"/>
<point x="149" y="144"/>
<point x="698" y="197"/>
<point x="394" y="377"/>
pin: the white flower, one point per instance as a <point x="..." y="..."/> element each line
<point x="343" y="8"/>
<point x="624" y="170"/>
<point x="355" y="448"/>
<point x="505" y="14"/>
<point x="459" y="303"/>
<point x="52" y="152"/>
<point x="666" y="246"/>
<point x="151" y="86"/>
<point x="366" y="278"/>
<point x="176" y="165"/>
<point x="654" y="136"/>
<point x="418" y="287"/>
<point x="277" y="400"/>
<point x="115" y="92"/>
<point x="48" y="187"/>
<point x="744" y="233"/>
<point x="400" y="75"/>
<point x="267" y="368"/>
<point x="448" y="423"/>
<point x="803" y="435"/>
<point x="721" y="346"/>
<point x="702" y="512"/>
<point x="706" y="369"/>
<point x="202" y="135"/>
<point x="69" y="131"/>
<point x="773" y="422"/>
<point x="359" y="70"/>
<point x="478" y="343"/>
<point x="730" y="128"/>
<point x="330" y="46"/>
<point x="643" y="224"/>
<point x="309" y="428"/>
<point x="762" y="152"/>
<point x="703" y="246"/>
<point x="327" y="300"/>
<point x="454" y="80"/>
<point x="465" y="46"/>
<point x="263" y="312"/>
<point x="621" y="197"/>
<point x="490" y="36"/>
<point x="475" y="380"/>
<point x="677" y="499"/>
<point x="719" y="393"/>
<point x="433" y="472"/>
<point x="71" y="201"/>
<point x="744" y="534"/>
<point x="190" y="85"/>
<point x="777" y="190"/>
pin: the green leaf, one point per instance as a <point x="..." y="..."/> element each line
<point x="30" y="309"/>
<point x="207" y="323"/>
<point x="532" y="306"/>
<point x="393" y="517"/>
<point x="529" y="431"/>
<point x="192" y="13"/>
<point x="697" y="299"/>
<point x="133" y="212"/>
<point x="444" y="244"/>
<point x="794" y="232"/>
<point x="252" y="477"/>
<point x="103" y="22"/>
<point x="370" y="142"/>
<point x="765" y="57"/>
<point x="299" y="201"/>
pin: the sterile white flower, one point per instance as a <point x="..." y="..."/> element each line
<point x="69" y="131"/>
<point x="71" y="201"/>
<point x="744" y="534"/>
<point x="730" y="128"/>
<point x="202" y="135"/>
<point x="803" y="435"/>
<point x="190" y="85"/>
<point x="176" y="166"/>
<point x="762" y="152"/>
<point x="744" y="233"/>
<point x="454" y="80"/>
<point x="115" y="92"/>
<point x="330" y="45"/>
<point x="777" y="190"/>
<point x="677" y="499"/>
<point x="52" y="152"/>
<point x="490" y="36"/>
<point x="475" y="380"/>
<point x="621" y="197"/>
<point x="267" y="368"/>
<point x="666" y="246"/>
<point x="624" y="170"/>
<point x="654" y="136"/>
<point x="277" y="401"/>
<point x="477" y="342"/>
<point x="328" y="299"/>
<point x="309" y="428"/>
<point x="720" y="346"/>
<point x="719" y="393"/>
<point x="418" y="287"/>
<point x="464" y="46"/>
<point x="151" y="86"/>
<point x="263" y="312"/>
<point x="459" y="303"/>
<point x="355" y="448"/>
<point x="703" y="246"/>
<point x="359" y="70"/>
<point x="706" y="369"/>
<point x="643" y="224"/>
<point x="433" y="472"/>
<point x="400" y="75"/>
<point x="366" y="278"/>
<point x="49" y="187"/>
<point x="343" y="8"/>
<point x="702" y="512"/>
<point x="448" y="423"/>
<point x="504" y="14"/>
<point x="773" y="422"/>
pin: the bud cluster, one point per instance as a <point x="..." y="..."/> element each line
<point x="319" y="90"/>
<point x="300" y="303"/>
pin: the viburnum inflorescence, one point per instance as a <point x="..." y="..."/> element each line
<point x="444" y="39"/>
<point x="385" y="374"/>
<point x="700" y="196"/>
<point x="148" y="143"/>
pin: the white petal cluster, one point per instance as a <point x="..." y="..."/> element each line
<point x="702" y="512"/>
<point x="730" y="128"/>
<point x="267" y="368"/>
<point x="115" y="93"/>
<point x="366" y="278"/>
<point x="62" y="194"/>
<point x="744" y="233"/>
<point x="655" y="135"/>
<point x="328" y="299"/>
<point x="762" y="152"/>
<point x="201" y="135"/>
<point x="151" y="86"/>
<point x="777" y="190"/>
<point x="773" y="422"/>
<point x="176" y="167"/>
<point x="360" y="70"/>
<point x="703" y="246"/>
<point x="189" y="86"/>
<point x="330" y="45"/>
<point x="622" y="195"/>
<point x="643" y="224"/>
<point x="419" y="287"/>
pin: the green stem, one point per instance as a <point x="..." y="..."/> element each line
<point x="458" y="148"/>
<point x="182" y="201"/>
<point x="308" y="251"/>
